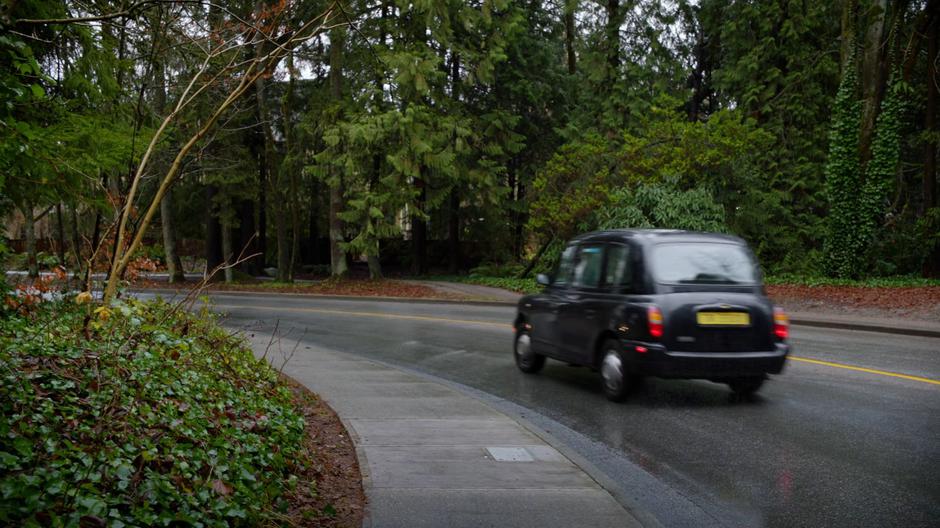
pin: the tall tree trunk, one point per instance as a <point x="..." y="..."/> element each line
<point x="570" y="31"/>
<point x="932" y="264"/>
<point x="275" y="178"/>
<point x="247" y="238"/>
<point x="213" y="231"/>
<point x="174" y="265"/>
<point x="612" y="43"/>
<point x="453" y="213"/>
<point x="228" y="253"/>
<point x="60" y="235"/>
<point x="849" y="15"/>
<point x="337" y="255"/>
<point x="76" y="242"/>
<point x="292" y="170"/>
<point x="313" y="235"/>
<point x="375" y="267"/>
<point x="29" y="227"/>
<point x="874" y="75"/>
<point x="453" y="228"/>
<point x="419" y="230"/>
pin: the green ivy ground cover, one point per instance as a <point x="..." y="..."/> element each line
<point x="143" y="415"/>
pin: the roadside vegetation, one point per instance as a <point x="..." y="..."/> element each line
<point x="142" y="414"/>
<point x="428" y="138"/>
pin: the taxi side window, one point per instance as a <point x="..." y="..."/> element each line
<point x="619" y="270"/>
<point x="565" y="265"/>
<point x="588" y="267"/>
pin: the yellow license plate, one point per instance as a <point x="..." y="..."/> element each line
<point x="723" y="318"/>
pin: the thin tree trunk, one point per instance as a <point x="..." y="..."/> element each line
<point x="453" y="216"/>
<point x="535" y="260"/>
<point x="292" y="170"/>
<point x="453" y="228"/>
<point x="213" y="231"/>
<point x="76" y="242"/>
<point x="174" y="266"/>
<point x="419" y="231"/>
<point x="337" y="255"/>
<point x="29" y="227"/>
<point x="275" y="179"/>
<point x="60" y="235"/>
<point x="227" y="252"/>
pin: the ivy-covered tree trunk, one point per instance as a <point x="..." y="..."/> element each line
<point x="929" y="185"/>
<point x="842" y="179"/>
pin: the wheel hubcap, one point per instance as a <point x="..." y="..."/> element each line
<point x="524" y="349"/>
<point x="612" y="371"/>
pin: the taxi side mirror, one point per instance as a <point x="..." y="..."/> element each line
<point x="542" y="279"/>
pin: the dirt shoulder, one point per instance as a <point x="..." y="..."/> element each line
<point x="920" y="303"/>
<point x="329" y="492"/>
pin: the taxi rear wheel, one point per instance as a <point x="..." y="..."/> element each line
<point x="527" y="359"/>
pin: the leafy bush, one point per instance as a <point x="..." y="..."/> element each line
<point x="139" y="415"/>
<point x="661" y="206"/>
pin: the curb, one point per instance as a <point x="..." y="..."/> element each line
<point x="866" y="327"/>
<point x="796" y="321"/>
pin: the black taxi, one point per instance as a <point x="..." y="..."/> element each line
<point x="666" y="303"/>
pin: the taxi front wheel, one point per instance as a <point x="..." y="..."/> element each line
<point x="527" y="359"/>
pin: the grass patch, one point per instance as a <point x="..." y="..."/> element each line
<point x="875" y="282"/>
<point x="139" y="415"/>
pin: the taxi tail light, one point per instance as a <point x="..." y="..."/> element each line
<point x="781" y="324"/>
<point x="654" y="318"/>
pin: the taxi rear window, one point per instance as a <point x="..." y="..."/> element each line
<point x="703" y="263"/>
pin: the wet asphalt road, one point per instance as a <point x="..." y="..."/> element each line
<point x="819" y="446"/>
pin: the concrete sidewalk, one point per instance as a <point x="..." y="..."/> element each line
<point x="432" y="456"/>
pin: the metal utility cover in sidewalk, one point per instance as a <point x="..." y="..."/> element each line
<point x="510" y="454"/>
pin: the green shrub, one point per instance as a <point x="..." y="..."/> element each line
<point x="140" y="416"/>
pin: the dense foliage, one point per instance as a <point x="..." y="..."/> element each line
<point x="444" y="134"/>
<point x="137" y="415"/>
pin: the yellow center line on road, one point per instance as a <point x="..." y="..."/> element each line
<point x="509" y="326"/>
<point x="864" y="369"/>
<point x="370" y="314"/>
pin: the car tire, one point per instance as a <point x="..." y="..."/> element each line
<point x="747" y="385"/>
<point x="527" y="359"/>
<point x="617" y="380"/>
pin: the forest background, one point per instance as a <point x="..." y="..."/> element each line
<point x="429" y="136"/>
